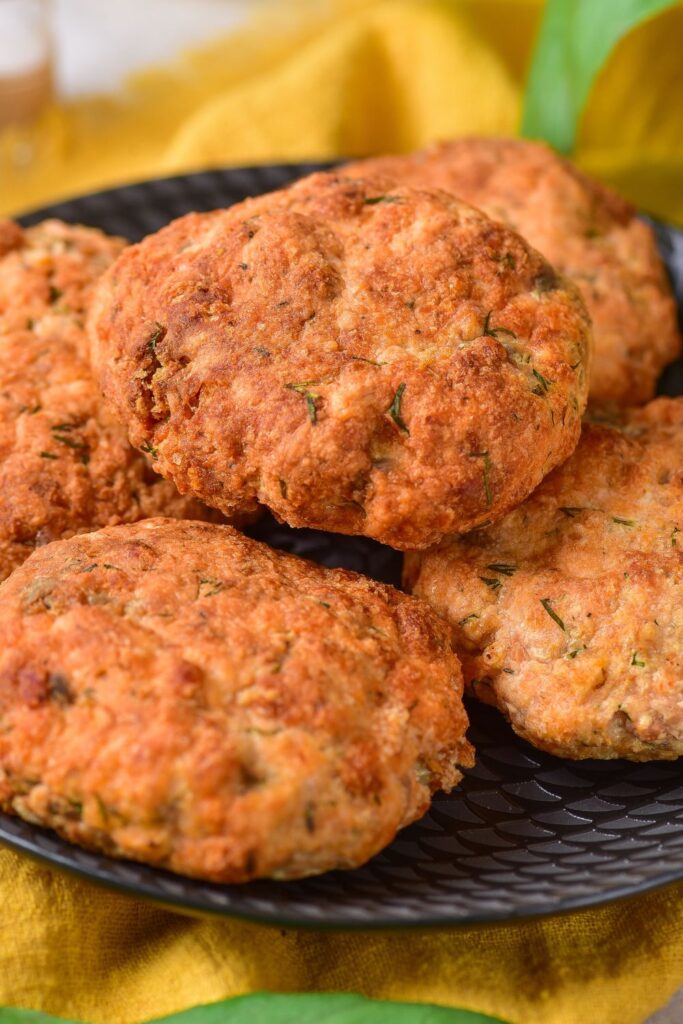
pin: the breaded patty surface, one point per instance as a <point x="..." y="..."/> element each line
<point x="47" y="273"/>
<point x="585" y="230"/>
<point x="176" y="693"/>
<point x="65" y="465"/>
<point x="388" y="363"/>
<point x="568" y="614"/>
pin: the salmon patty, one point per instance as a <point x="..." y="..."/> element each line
<point x="65" y="464"/>
<point x="387" y="363"/>
<point x="47" y="274"/>
<point x="568" y="613"/>
<point x="586" y="231"/>
<point x="176" y="693"/>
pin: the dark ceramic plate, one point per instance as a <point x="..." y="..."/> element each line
<point x="525" y="834"/>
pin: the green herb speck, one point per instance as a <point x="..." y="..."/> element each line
<point x="310" y="397"/>
<point x="78" y="446"/>
<point x="491" y="582"/>
<point x="507" y="259"/>
<point x="503" y="567"/>
<point x="543" y="383"/>
<point x="546" y="602"/>
<point x="102" y="808"/>
<point x="362" y="359"/>
<point x="635" y="660"/>
<point x="373" y="200"/>
<point x="468" y="618"/>
<point x="208" y="586"/>
<point x="394" y="409"/>
<point x="577" y="650"/>
<point x="493" y="332"/>
<point x="156" y="336"/>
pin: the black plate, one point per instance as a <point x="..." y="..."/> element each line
<point x="525" y="834"/>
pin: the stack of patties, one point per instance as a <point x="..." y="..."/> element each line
<point x="361" y="356"/>
<point x="566" y="611"/>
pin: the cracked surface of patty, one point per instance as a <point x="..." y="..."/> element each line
<point x="387" y="363"/>
<point x="583" y="228"/>
<point x="568" y="613"/>
<point x="175" y="693"/>
<point x="65" y="465"/>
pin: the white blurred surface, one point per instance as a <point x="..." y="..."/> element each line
<point x="99" y="42"/>
<point x="23" y="43"/>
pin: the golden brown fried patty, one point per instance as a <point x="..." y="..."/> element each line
<point x="568" y="613"/>
<point x="47" y="273"/>
<point x="65" y="464"/>
<point x="394" y="365"/>
<point x="176" y="693"/>
<point x="585" y="230"/>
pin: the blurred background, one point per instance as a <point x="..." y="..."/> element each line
<point x="94" y="93"/>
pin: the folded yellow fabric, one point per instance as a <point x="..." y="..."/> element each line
<point x="319" y="81"/>
<point x="82" y="952"/>
<point x="349" y="77"/>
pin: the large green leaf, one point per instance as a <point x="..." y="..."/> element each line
<point x="294" y="1009"/>
<point x="575" y="39"/>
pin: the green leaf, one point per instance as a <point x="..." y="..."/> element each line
<point x="12" y="1016"/>
<point x="575" y="39"/>
<point x="294" y="1009"/>
<point x="325" y="1008"/>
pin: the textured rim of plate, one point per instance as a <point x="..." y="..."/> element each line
<point x="23" y="840"/>
<point x="143" y="201"/>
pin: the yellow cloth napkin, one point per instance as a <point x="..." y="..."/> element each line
<point x="82" y="952"/>
<point x="313" y="80"/>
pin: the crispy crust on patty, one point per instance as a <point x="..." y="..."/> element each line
<point x="65" y="465"/>
<point x="585" y="230"/>
<point x="568" y="613"/>
<point x="176" y="693"/>
<point x="47" y="274"/>
<point x="391" y="364"/>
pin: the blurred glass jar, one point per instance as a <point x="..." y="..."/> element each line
<point x="26" y="75"/>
